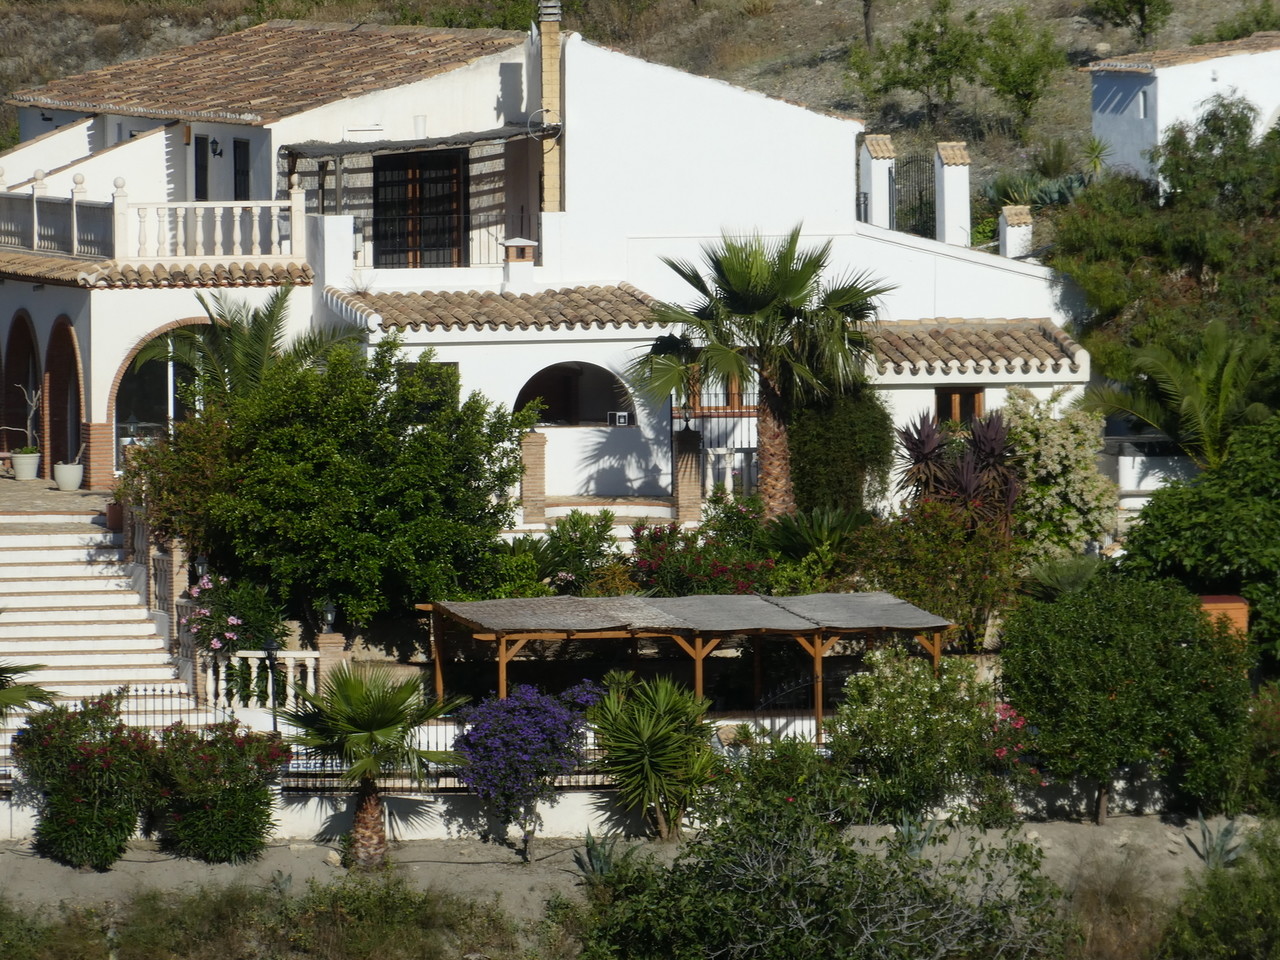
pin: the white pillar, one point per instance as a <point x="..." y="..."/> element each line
<point x="1015" y="231"/>
<point x="875" y="176"/>
<point x="951" y="173"/>
<point x="517" y="268"/>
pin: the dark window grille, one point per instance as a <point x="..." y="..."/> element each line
<point x="419" y="210"/>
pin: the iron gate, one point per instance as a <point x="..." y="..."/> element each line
<point x="914" y="199"/>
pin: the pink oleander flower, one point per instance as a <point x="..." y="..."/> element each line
<point x="1001" y="752"/>
<point x="215" y="644"/>
<point x="234" y="621"/>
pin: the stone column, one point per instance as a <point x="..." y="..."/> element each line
<point x="533" y="485"/>
<point x="875" y="178"/>
<point x="951" y="205"/>
<point x="687" y="475"/>
<point x="1015" y="231"/>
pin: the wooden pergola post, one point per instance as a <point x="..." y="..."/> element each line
<point x="437" y="653"/>
<point x="506" y="650"/>
<point x="698" y="650"/>
<point x="817" y="647"/>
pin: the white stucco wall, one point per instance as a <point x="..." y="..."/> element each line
<point x="480" y="96"/>
<point x="652" y="152"/>
<point x="143" y="162"/>
<point x="52" y="147"/>
<point x="1178" y="94"/>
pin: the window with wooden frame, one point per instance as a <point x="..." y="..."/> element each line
<point x="958" y="404"/>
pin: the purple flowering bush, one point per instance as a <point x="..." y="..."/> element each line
<point x="232" y="616"/>
<point x="513" y="750"/>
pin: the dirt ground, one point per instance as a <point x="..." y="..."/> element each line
<point x="1146" y="849"/>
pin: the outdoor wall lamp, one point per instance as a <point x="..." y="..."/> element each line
<point x="214" y="148"/>
<point x="202" y="566"/>
<point x="329" y="613"/>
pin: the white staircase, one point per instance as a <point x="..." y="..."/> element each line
<point x="67" y="603"/>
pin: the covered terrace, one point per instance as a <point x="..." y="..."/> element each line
<point x="697" y="624"/>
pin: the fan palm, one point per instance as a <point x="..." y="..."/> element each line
<point x="15" y="695"/>
<point x="368" y="719"/>
<point x="1197" y="401"/>
<point x="230" y="354"/>
<point x="763" y="313"/>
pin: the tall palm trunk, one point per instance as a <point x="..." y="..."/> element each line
<point x="368" y="829"/>
<point x="774" y="450"/>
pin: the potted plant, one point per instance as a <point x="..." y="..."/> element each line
<point x="69" y="475"/>
<point x="26" y="458"/>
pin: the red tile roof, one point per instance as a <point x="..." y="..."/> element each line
<point x="1151" y="61"/>
<point x="71" y="272"/>
<point x="271" y="71"/>
<point x="944" y="344"/>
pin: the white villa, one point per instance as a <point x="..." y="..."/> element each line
<point x="503" y="198"/>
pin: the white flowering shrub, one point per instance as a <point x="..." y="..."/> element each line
<point x="1065" y="501"/>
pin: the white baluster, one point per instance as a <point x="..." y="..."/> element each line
<point x="180" y="230"/>
<point x="237" y="230"/>
<point x="142" y="233"/>
<point x="255" y="229"/>
<point x="199" y="247"/>
<point x="218" y="213"/>
<point x="77" y="194"/>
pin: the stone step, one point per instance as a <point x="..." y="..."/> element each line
<point x="19" y="604"/>
<point x="59" y="571"/>
<point x="75" y="630"/>
<point x="61" y="586"/>
<point x="83" y="556"/>
<point x="52" y="661"/>
<point x="88" y="536"/>
<point x="30" y="649"/>
<point x="15" y="616"/>
<point x="107" y="676"/>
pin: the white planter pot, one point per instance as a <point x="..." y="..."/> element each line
<point x="26" y="466"/>
<point x="68" y="476"/>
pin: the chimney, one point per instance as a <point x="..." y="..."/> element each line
<point x="552" y="98"/>
<point x="875" y="175"/>
<point x="951" y="210"/>
<point x="517" y="268"/>
<point x="1015" y="231"/>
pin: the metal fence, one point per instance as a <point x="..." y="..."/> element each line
<point x="727" y="423"/>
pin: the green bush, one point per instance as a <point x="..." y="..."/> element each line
<point x="214" y="790"/>
<point x="913" y="740"/>
<point x="1263" y="787"/>
<point x="1230" y="912"/>
<point x="92" y="771"/>
<point x="841" y="452"/>
<point x="1128" y="672"/>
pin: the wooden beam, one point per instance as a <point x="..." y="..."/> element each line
<point x="506" y="650"/>
<point x="932" y="647"/>
<point x="698" y="650"/>
<point x="437" y="653"/>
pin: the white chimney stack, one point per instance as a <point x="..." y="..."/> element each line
<point x="951" y="212"/>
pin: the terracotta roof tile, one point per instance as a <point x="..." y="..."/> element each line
<point x="578" y="307"/>
<point x="274" y="70"/>
<point x="1151" y="61"/>
<point x="955" y="154"/>
<point x="71" y="272"/>
<point x="880" y="146"/>
<point x="1016" y="216"/>
<point x="947" y="345"/>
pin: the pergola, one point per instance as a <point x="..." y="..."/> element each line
<point x="697" y="624"/>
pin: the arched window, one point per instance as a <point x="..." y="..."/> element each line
<point x="148" y="401"/>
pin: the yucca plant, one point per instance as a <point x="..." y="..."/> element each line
<point x="367" y="718"/>
<point x="656" y="748"/>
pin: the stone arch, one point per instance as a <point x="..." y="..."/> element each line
<point x="63" y="387"/>
<point x="21" y="370"/>
<point x="134" y="406"/>
<point x="577" y="393"/>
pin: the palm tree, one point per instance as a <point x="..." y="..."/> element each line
<point x="14" y="695"/>
<point x="1197" y="401"/>
<point x="763" y="313"/>
<point x="368" y="719"/>
<point x="230" y="354"/>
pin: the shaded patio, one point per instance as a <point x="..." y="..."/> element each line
<point x="697" y="624"/>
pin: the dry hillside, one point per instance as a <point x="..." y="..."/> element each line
<point x="796" y="49"/>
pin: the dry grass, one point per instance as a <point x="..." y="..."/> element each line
<point x="1118" y="917"/>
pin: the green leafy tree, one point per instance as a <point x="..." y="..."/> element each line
<point x="1064" y="502"/>
<point x="1142" y="18"/>
<point x="655" y="745"/>
<point x="1157" y="266"/>
<point x="367" y="719"/>
<point x="367" y="482"/>
<point x="232" y="353"/>
<point x="1218" y="532"/>
<point x="1126" y="672"/>
<point x="841" y="451"/>
<point x="1197" y="400"/>
<point x="18" y="696"/>
<point x="933" y="54"/>
<point x="1019" y="61"/>
<point x="764" y="315"/>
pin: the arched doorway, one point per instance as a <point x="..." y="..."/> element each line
<point x="148" y="399"/>
<point x="62" y="394"/>
<point x="22" y="387"/>
<point x="578" y="394"/>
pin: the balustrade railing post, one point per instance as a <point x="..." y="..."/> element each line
<point x="77" y="194"/>
<point x="119" y="220"/>
<point x="38" y="189"/>
<point x="297" y="219"/>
